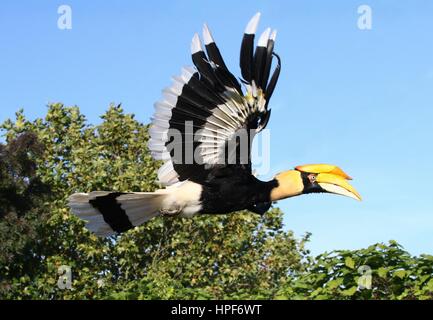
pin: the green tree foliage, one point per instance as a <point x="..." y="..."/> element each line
<point x="235" y="256"/>
<point x="239" y="255"/>
<point x="377" y="272"/>
<point x="22" y="195"/>
<point x="20" y="188"/>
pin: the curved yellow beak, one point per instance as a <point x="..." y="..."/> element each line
<point x="332" y="179"/>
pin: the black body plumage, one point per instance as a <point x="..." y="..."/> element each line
<point x="232" y="188"/>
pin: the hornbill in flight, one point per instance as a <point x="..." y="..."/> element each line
<point x="201" y="114"/>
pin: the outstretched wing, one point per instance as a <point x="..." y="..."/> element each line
<point x="204" y="117"/>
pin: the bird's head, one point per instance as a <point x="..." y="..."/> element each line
<point x="313" y="178"/>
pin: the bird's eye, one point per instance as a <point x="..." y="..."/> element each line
<point x="312" y="178"/>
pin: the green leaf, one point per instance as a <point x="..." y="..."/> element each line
<point x="349" y="262"/>
<point x="400" y="273"/>
<point x="429" y="285"/>
<point x="333" y="284"/>
<point x="349" y="292"/>
<point x="382" y="272"/>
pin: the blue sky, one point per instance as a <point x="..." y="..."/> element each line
<point x="361" y="99"/>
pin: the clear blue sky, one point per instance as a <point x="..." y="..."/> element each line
<point x="360" y="99"/>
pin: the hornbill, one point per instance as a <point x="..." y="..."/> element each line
<point x="207" y="107"/>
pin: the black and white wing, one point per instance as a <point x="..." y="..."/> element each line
<point x="205" y="108"/>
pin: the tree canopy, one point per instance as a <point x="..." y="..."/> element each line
<point x="236" y="256"/>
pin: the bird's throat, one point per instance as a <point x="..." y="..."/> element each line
<point x="289" y="185"/>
